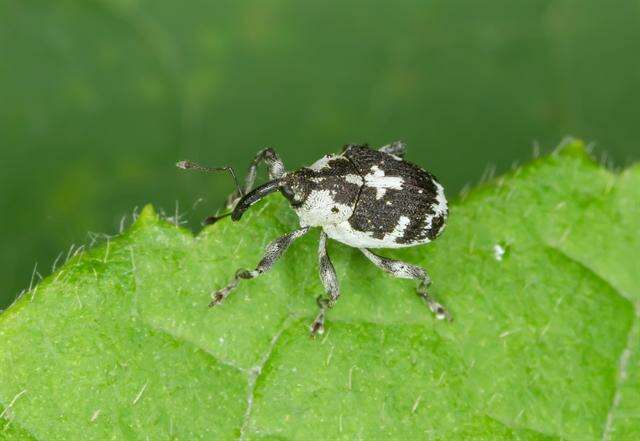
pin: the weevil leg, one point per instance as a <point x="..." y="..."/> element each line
<point x="272" y="253"/>
<point x="329" y="281"/>
<point x="268" y="156"/>
<point x="275" y="168"/>
<point x="397" y="148"/>
<point x="405" y="270"/>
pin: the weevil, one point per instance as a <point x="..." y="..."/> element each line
<point x="365" y="198"/>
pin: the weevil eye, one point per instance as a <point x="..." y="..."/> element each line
<point x="295" y="187"/>
<point x="287" y="191"/>
<point x="291" y="195"/>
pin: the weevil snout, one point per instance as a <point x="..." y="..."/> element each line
<point x="254" y="196"/>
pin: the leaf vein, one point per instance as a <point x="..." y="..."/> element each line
<point x="623" y="373"/>
<point x="255" y="372"/>
<point x="12" y="420"/>
<point x="185" y="340"/>
<point x="590" y="270"/>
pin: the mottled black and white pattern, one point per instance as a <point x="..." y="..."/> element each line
<point x="399" y="205"/>
<point x="329" y="281"/>
<point x="364" y="198"/>
<point x="327" y="191"/>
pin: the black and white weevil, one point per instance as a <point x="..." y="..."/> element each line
<point x="362" y="197"/>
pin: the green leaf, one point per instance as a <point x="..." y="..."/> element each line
<point x="119" y="343"/>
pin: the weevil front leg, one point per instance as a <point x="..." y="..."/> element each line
<point x="405" y="270"/>
<point x="397" y="148"/>
<point x="275" y="169"/>
<point x="273" y="252"/>
<point x="329" y="281"/>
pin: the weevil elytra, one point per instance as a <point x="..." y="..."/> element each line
<point x="364" y="198"/>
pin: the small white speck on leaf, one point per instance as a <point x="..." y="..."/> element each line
<point x="498" y="252"/>
<point x="95" y="415"/>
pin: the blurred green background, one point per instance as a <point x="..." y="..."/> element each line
<point x="98" y="99"/>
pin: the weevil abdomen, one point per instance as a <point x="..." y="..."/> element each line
<point x="399" y="204"/>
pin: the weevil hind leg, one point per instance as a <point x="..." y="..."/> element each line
<point x="397" y="148"/>
<point x="405" y="270"/>
<point x="329" y="281"/>
<point x="274" y="251"/>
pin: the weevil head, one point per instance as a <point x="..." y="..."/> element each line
<point x="319" y="197"/>
<point x="296" y="186"/>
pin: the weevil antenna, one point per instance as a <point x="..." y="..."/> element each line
<point x="213" y="219"/>
<point x="254" y="196"/>
<point x="188" y="165"/>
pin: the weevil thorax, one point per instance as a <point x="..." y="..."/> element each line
<point x="324" y="193"/>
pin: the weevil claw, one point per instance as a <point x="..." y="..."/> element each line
<point x="216" y="300"/>
<point x="441" y="313"/>
<point x="317" y="327"/>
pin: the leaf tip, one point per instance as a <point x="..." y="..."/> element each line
<point x="147" y="215"/>
<point x="573" y="147"/>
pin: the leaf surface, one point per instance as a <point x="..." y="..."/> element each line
<point x="538" y="269"/>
